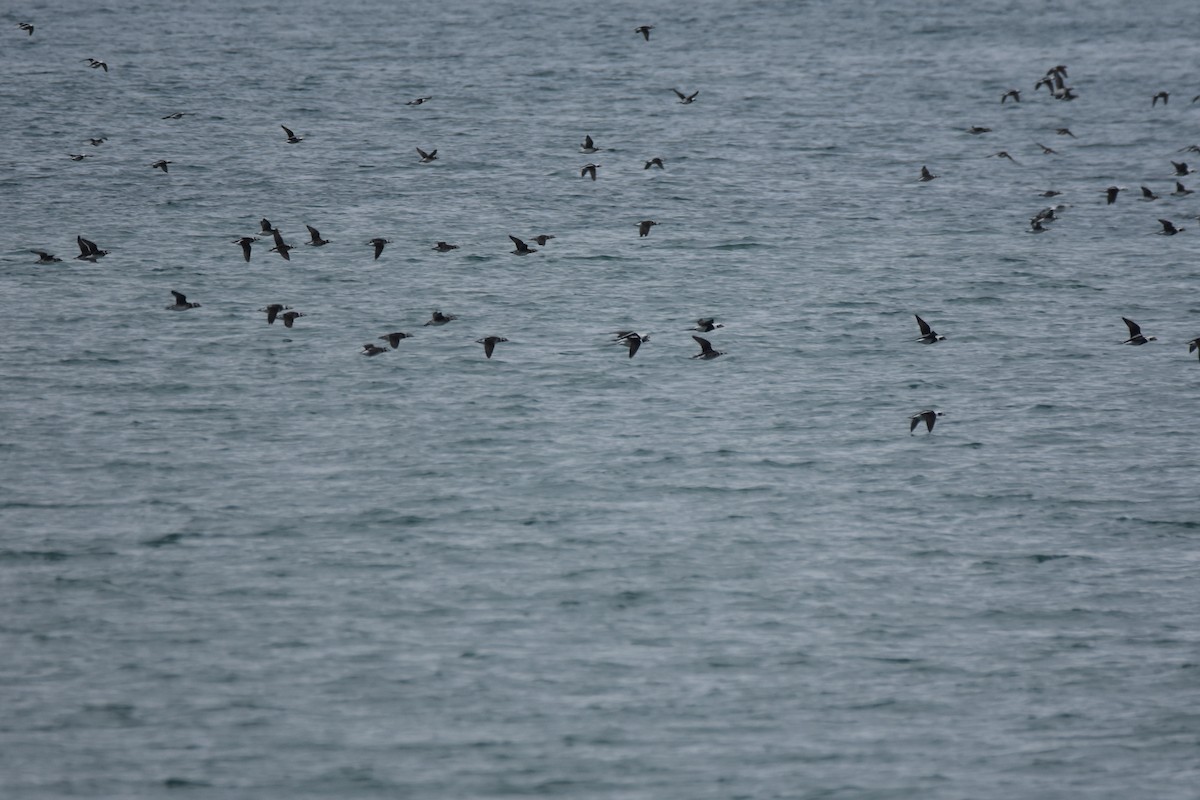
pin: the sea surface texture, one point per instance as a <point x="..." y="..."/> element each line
<point x="242" y="560"/>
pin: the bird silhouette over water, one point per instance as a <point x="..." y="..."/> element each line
<point x="706" y="325"/>
<point x="926" y="175"/>
<point x="394" y="338"/>
<point x="929" y="417"/>
<point x="292" y="138"/>
<point x="1111" y="194"/>
<point x="1168" y="228"/>
<point x="589" y="169"/>
<point x="654" y="162"/>
<point x="1164" y="96"/>
<point x="686" y="99"/>
<point x="315" y="239"/>
<point x="245" y="242"/>
<point x="28" y="28"/>
<point x="273" y="311"/>
<point x="542" y="238"/>
<point x="644" y="227"/>
<point x="371" y="349"/>
<point x="289" y="317"/>
<point x="418" y="101"/>
<point x="633" y="340"/>
<point x="281" y="246"/>
<point x="1194" y="345"/>
<point x="588" y="145"/>
<point x="928" y="334"/>
<point x="1135" y="333"/>
<point x="378" y="244"/>
<point x="438" y="318"/>
<point x="445" y="247"/>
<point x="706" y="348"/>
<point x="489" y="344"/>
<point x="1147" y="194"/>
<point x="88" y="251"/>
<point x="1011" y="94"/>
<point x="181" y="303"/>
<point x="161" y="164"/>
<point x="429" y="157"/>
<point x="1181" y="190"/>
<point x="522" y="248"/>
<point x="1181" y="168"/>
<point x="644" y="30"/>
<point x="45" y="258"/>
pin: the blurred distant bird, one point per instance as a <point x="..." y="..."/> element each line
<point x="633" y="340"/>
<point x="438" y="318"/>
<point x="427" y="157"/>
<point x="98" y="142"/>
<point x="1181" y="190"/>
<point x="378" y="244"/>
<point x="265" y="226"/>
<point x="45" y="258"/>
<point x="1147" y="194"/>
<point x="1047" y="151"/>
<point x="1003" y="154"/>
<point x="522" y="248"/>
<point x="1164" y="96"/>
<point x="370" y="349"/>
<point x="644" y="30"/>
<point x="654" y="162"/>
<point x="541" y="239"/>
<point x="1111" y="194"/>
<point x="706" y="325"/>
<point x="644" y="227"/>
<point x="418" y="101"/>
<point x="589" y="169"/>
<point x="273" y="311"/>
<point x="88" y="251"/>
<point x="181" y="303"/>
<point x="686" y="99"/>
<point x="1135" y="333"/>
<point x="928" y="334"/>
<point x="706" y="348"/>
<point x="177" y="115"/>
<point x="281" y="246"/>
<point x="161" y="164"/>
<point x="394" y="338"/>
<point x="289" y="317"/>
<point x="95" y="64"/>
<point x="79" y="156"/>
<point x="1169" y="228"/>
<point x="245" y="242"/>
<point x="1065" y="132"/>
<point x="929" y="417"/>
<point x="28" y="27"/>
<point x="1181" y="168"/>
<point x="444" y="247"/>
<point x="292" y="138"/>
<point x="1015" y="94"/>
<point x="926" y="175"/>
<point x="315" y="239"/>
<point x="489" y="344"/>
<point x="1194" y="345"/>
<point x="976" y="130"/>
<point x="588" y="145"/>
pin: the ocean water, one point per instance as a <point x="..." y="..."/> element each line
<point x="239" y="560"/>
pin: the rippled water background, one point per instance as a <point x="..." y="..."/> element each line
<point x="238" y="560"/>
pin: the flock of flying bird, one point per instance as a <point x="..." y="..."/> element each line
<point x="632" y="340"/>
<point x="1054" y="80"/>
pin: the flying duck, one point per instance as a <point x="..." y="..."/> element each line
<point x="686" y="99"/>
<point x="427" y="157"/>
<point x="644" y="227"/>
<point x="489" y="344"/>
<point x="706" y="349"/>
<point x="1135" y="333"/>
<point x="644" y="30"/>
<point x="926" y="175"/>
<point x="589" y="169"/>
<point x="291" y="137"/>
<point x="706" y="325"/>
<point x="289" y="317"/>
<point x="928" y="334"/>
<point x="522" y="248"/>
<point x="378" y="244"/>
<point x="438" y="318"/>
<point x="929" y="417"/>
<point x="181" y="302"/>
<point x="161" y="164"/>
<point x="445" y="247"/>
<point x="394" y="338"/>
<point x="370" y="349"/>
<point x="281" y="246"/>
<point x="315" y="240"/>
<point x="245" y="242"/>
